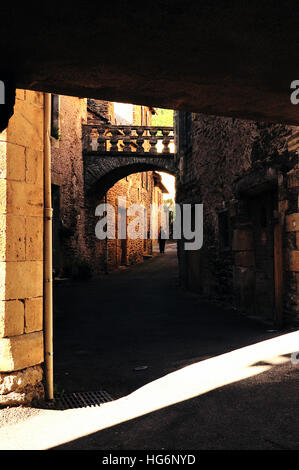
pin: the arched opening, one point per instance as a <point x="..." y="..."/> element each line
<point x="151" y="196"/>
<point x="101" y="186"/>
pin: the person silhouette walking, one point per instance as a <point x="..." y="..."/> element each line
<point x="162" y="240"/>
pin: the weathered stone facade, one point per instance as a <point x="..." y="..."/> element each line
<point x="246" y="175"/>
<point x="22" y="226"/>
<point x="69" y="216"/>
<point x="21" y="251"/>
<point x="104" y="172"/>
<point x="138" y="188"/>
<point x="77" y="251"/>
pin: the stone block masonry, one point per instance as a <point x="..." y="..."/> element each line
<point x="21" y="252"/>
<point x="81" y="181"/>
<point x="246" y="175"/>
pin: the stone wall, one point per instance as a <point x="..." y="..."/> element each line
<point x="137" y="188"/>
<point x="229" y="162"/>
<point x="134" y="188"/>
<point x="290" y="204"/>
<point x="68" y="177"/>
<point x="98" y="110"/>
<point x="21" y="252"/>
<point x="76" y="248"/>
<point x="21" y="227"/>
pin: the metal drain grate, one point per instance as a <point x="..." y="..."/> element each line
<point x="82" y="399"/>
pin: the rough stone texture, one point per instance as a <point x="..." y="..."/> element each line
<point x="230" y="162"/>
<point x="101" y="172"/>
<point x="33" y="314"/>
<point x="86" y="183"/>
<point x="136" y="191"/>
<point x="24" y="279"/>
<point x="292" y="222"/>
<point x="21" y="247"/>
<point x="11" y="318"/>
<point x="13" y="238"/>
<point x="236" y="59"/>
<point x="294" y="261"/>
<point x="17" y="381"/>
<point x="21" y="387"/>
<point x="15" y="167"/>
<point x="99" y="110"/>
<point x="67" y="176"/>
<point x="27" y="397"/>
<point x="19" y="352"/>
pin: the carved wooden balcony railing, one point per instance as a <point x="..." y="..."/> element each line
<point x="122" y="140"/>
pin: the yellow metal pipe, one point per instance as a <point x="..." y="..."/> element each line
<point x="48" y="277"/>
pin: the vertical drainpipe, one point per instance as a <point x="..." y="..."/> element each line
<point x="48" y="284"/>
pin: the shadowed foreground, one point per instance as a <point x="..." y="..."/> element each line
<point x="138" y="317"/>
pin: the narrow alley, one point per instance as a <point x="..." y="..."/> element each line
<point x="149" y="229"/>
<point x="182" y="373"/>
<point x="135" y="326"/>
<point x="137" y="316"/>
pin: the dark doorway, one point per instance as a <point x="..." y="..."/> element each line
<point x="123" y="241"/>
<point x="262" y="216"/>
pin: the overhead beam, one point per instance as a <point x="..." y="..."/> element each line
<point x="233" y="58"/>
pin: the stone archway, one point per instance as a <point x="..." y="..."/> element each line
<point x="98" y="183"/>
<point x="100" y="174"/>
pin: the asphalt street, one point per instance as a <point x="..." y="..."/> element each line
<point x="134" y="326"/>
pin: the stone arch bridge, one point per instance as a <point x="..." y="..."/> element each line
<point x="111" y="153"/>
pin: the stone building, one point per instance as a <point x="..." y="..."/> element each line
<point x="143" y="188"/>
<point x="22" y="212"/>
<point x="76" y="250"/>
<point x="21" y="207"/>
<point x="245" y="174"/>
<point x="67" y="177"/>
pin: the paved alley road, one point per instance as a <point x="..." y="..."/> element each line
<point x="106" y="328"/>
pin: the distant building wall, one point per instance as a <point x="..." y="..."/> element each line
<point x="129" y="251"/>
<point x="138" y="188"/>
<point x="75" y="244"/>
